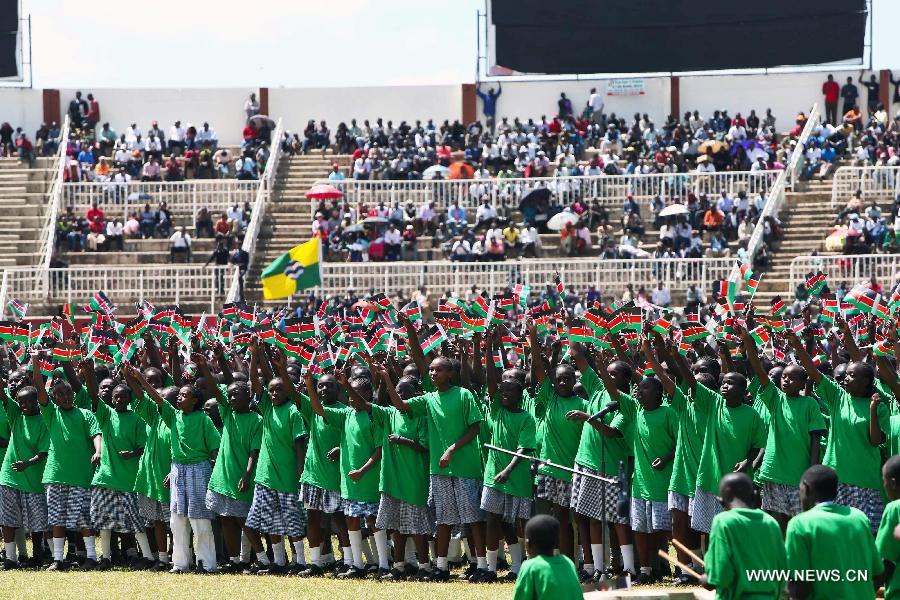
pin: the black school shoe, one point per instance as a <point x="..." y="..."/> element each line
<point x="9" y="565"/>
<point x="440" y="576"/>
<point x="469" y="572"/>
<point x="159" y="567"/>
<point x="58" y="565"/>
<point x="484" y="576"/>
<point x="312" y="570"/>
<point x="392" y="575"/>
<point x="89" y="564"/>
<point x="104" y="564"/>
<point x="353" y="573"/>
<point x="510" y="577"/>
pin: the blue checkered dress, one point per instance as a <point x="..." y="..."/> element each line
<point x="188" y="484"/>
<point x="276" y="513"/>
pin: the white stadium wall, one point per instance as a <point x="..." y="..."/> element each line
<point x="786" y="94"/>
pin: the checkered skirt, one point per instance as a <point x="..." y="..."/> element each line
<point x="865" y="499"/>
<point x="593" y="498"/>
<point x="359" y="510"/>
<point x="706" y="507"/>
<point x="22" y="509"/>
<point x="404" y="518"/>
<point x="276" y="513"/>
<point x="554" y="490"/>
<point x="456" y="500"/>
<point x="678" y="501"/>
<point x="188" y="485"/>
<point x="115" y="510"/>
<point x="648" y="516"/>
<point x="507" y="506"/>
<point x="316" y="498"/>
<point x="152" y="510"/>
<point x="226" y="507"/>
<point x="68" y="506"/>
<point x="780" y="498"/>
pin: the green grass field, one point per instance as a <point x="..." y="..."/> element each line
<point x="112" y="585"/>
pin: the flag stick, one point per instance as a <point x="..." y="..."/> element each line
<point x="684" y="568"/>
<point x="550" y="464"/>
<point x="689" y="552"/>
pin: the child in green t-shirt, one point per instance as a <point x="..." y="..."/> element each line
<point x="507" y="494"/>
<point x="21" y="494"/>
<point x="743" y="539"/>
<point x="545" y="574"/>
<point x="403" y="507"/>
<point x="887" y="541"/>
<point x="556" y="399"/>
<point x="360" y="458"/>
<point x="829" y="537"/>
<point x="75" y="448"/>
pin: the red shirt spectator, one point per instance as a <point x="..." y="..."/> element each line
<point x="94" y="214"/>
<point x="250" y="132"/>
<point x="223" y="226"/>
<point x="97" y="226"/>
<point x="831" y="90"/>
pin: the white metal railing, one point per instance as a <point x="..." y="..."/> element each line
<point x="437" y="277"/>
<point x="850" y="268"/>
<point x="266" y="183"/>
<point x="776" y="195"/>
<point x="124" y="284"/>
<point x="48" y="232"/>
<point x="508" y="192"/>
<point x="182" y="198"/>
<point x="798" y="157"/>
<point x="875" y="183"/>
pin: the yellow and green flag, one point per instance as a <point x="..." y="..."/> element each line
<point x="292" y="271"/>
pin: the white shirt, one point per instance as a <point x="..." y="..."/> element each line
<point x="176" y="134"/>
<point x="529" y="235"/>
<point x="180" y="240"/>
<point x="461" y="248"/>
<point x="661" y="297"/>
<point x="706" y="167"/>
<point x="113" y="229"/>
<point x="596" y="102"/>
<point x="392" y="237"/>
<point x="362" y="165"/>
<point x="485" y="213"/>
<point x="206" y="135"/>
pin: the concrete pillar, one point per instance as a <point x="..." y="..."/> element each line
<point x="51" y="107"/>
<point x="469" y="110"/>
<point x="884" y="91"/>
<point x="264" y="101"/>
<point x="675" y="96"/>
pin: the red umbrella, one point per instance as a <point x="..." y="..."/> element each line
<point x="323" y="191"/>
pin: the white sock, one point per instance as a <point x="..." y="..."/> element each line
<point x="464" y="546"/>
<point x="234" y="559"/>
<point x="90" y="549"/>
<point x="646" y="570"/>
<point x="105" y="543"/>
<point x="356" y="544"/>
<point x="22" y="542"/>
<point x="315" y="556"/>
<point x="164" y="557"/>
<point x="515" y="556"/>
<point x="481" y="563"/>
<point x="431" y="551"/>
<point x="442" y="563"/>
<point x="628" y="557"/>
<point x="491" y="560"/>
<point x="347" y="551"/>
<point x="597" y="551"/>
<point x="368" y="551"/>
<point x="58" y="548"/>
<point x="246" y="548"/>
<point x="279" y="554"/>
<point x="409" y="553"/>
<point x="299" y="553"/>
<point x="381" y="545"/>
<point x="263" y="558"/>
<point x="12" y="552"/>
<point x="454" y="550"/>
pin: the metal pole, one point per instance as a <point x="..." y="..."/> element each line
<point x="550" y="464"/>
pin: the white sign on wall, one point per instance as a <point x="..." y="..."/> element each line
<point x="625" y="87"/>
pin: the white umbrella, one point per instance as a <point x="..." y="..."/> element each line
<point x="433" y="170"/>
<point x="673" y="210"/>
<point x="559" y="220"/>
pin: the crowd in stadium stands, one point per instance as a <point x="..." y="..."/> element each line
<point x="96" y="152"/>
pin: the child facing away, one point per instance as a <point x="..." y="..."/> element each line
<point x="545" y="574"/>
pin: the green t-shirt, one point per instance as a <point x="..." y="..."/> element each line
<point x="121" y="431"/>
<point x="743" y="540"/>
<point x="82" y="399"/>
<point x="241" y="435"/>
<point x="4" y="432"/>
<point x="834" y="537"/>
<point x="28" y="437"/>
<point x="194" y="437"/>
<point x="889" y="547"/>
<point x="562" y="436"/>
<point x="282" y="426"/>
<point x="730" y="434"/>
<point x="71" y="445"/>
<point x="848" y="451"/>
<point x="317" y="469"/>
<point x="449" y="415"/>
<point x="544" y="577"/>
<point x="652" y="434"/>
<point x="404" y="471"/>
<point x="594" y="447"/>
<point x="156" y="461"/>
<point x="357" y="446"/>
<point x="689" y="447"/>
<point x="893" y="436"/>
<point x="510" y="431"/>
<point x="791" y="420"/>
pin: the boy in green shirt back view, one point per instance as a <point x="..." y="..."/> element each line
<point x="829" y="537"/>
<point x="545" y="574"/>
<point x="743" y="539"/>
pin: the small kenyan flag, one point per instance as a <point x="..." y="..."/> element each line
<point x="434" y="339"/>
<point x="66" y="353"/>
<point x="750" y="278"/>
<point x="135" y="328"/>
<point x="778" y="306"/>
<point x="760" y="336"/>
<point x="662" y="326"/>
<point x="17" y="307"/>
<point x="412" y="311"/>
<point x="481" y="306"/>
<point x="815" y="282"/>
